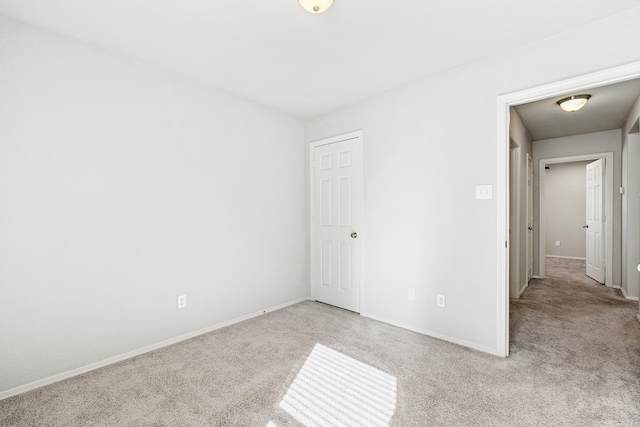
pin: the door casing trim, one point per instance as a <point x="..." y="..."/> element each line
<point x="504" y="102"/>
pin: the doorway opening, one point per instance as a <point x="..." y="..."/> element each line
<point x="504" y="103"/>
<point x="607" y="208"/>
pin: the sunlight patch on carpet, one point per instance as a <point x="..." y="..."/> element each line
<point x="332" y="389"/>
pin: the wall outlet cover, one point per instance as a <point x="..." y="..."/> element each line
<point x="182" y="301"/>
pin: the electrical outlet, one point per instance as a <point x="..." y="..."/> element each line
<point x="557" y="242"/>
<point x="182" y="301"/>
<point x="440" y="300"/>
<point x="412" y="294"/>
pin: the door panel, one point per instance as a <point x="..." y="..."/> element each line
<point x="346" y="251"/>
<point x="326" y="272"/>
<point x="594" y="226"/>
<point x="529" y="269"/>
<point x="336" y="222"/>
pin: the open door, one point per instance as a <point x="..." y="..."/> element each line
<point x="595" y="219"/>
<point x="514" y="222"/>
<point x="529" y="218"/>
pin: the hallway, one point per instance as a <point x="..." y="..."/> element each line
<point x="584" y="339"/>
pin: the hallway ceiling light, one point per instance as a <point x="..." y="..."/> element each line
<point x="316" y="6"/>
<point x="573" y="103"/>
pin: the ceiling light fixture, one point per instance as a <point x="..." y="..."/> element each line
<point x="316" y="6"/>
<point x="573" y="103"/>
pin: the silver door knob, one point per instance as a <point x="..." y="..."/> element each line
<point x="530" y="228"/>
<point x="585" y="226"/>
<point x="354" y="235"/>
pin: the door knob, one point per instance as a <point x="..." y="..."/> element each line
<point x="530" y="228"/>
<point x="585" y="226"/>
<point x="354" y="235"/>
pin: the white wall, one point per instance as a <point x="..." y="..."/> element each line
<point x="123" y="186"/>
<point x="518" y="206"/>
<point x="631" y="204"/>
<point x="426" y="146"/>
<point x="565" y="205"/>
<point x="598" y="142"/>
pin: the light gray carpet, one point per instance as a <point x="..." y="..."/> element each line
<point x="575" y="360"/>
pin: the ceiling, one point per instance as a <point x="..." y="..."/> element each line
<point x="607" y="109"/>
<point x="276" y="53"/>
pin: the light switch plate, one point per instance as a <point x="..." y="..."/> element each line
<point x="484" y="192"/>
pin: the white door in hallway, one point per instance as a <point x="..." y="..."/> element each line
<point x="529" y="272"/>
<point x="336" y="221"/>
<point x="595" y="219"/>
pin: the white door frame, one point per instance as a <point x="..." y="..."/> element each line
<point x="608" y="209"/>
<point x="601" y="78"/>
<point x="332" y="140"/>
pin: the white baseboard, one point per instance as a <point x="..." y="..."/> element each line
<point x="115" y="359"/>
<point x="566" y="257"/>
<point x="437" y="335"/>
<point x="624" y="294"/>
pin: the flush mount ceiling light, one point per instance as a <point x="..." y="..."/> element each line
<point x="573" y="103"/>
<point x="316" y="6"/>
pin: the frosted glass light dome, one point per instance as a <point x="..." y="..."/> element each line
<point x="316" y="6"/>
<point x="573" y="103"/>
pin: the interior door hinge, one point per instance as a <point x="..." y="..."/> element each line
<point x="506" y="243"/>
